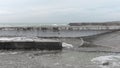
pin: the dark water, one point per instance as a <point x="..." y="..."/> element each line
<point x="49" y="59"/>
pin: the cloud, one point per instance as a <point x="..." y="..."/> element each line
<point x="58" y="10"/>
<point x="5" y="12"/>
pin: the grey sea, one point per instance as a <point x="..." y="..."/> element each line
<point x="30" y="24"/>
<point x="49" y="59"/>
<point x="66" y="58"/>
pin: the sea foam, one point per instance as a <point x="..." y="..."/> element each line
<point x="66" y="45"/>
<point x="109" y="61"/>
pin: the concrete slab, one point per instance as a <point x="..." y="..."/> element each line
<point x="29" y="43"/>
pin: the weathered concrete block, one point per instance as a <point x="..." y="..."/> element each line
<point x="29" y="43"/>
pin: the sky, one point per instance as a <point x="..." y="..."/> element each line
<point x="58" y="11"/>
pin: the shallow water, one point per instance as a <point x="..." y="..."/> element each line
<point x="49" y="59"/>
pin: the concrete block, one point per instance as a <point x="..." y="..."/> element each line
<point x="29" y="43"/>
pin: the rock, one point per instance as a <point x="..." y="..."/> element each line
<point x="106" y="63"/>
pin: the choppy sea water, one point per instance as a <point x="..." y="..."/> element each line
<point x="56" y="59"/>
<point x="53" y="59"/>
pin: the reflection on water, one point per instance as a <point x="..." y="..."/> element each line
<point x="49" y="59"/>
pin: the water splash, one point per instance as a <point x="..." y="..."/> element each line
<point x="66" y="45"/>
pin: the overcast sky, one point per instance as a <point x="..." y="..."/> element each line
<point x="58" y="11"/>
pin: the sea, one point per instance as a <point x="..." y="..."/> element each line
<point x="66" y="58"/>
<point x="33" y="24"/>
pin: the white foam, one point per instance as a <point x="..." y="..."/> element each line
<point x="14" y="38"/>
<point x="55" y="24"/>
<point x="13" y="53"/>
<point x="24" y="39"/>
<point x="6" y="39"/>
<point x="2" y="53"/>
<point x="6" y="53"/>
<point x="113" y="60"/>
<point x="66" y="45"/>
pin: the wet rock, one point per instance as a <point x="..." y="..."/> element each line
<point x="106" y="63"/>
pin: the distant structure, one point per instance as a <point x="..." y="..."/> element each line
<point x="113" y="23"/>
